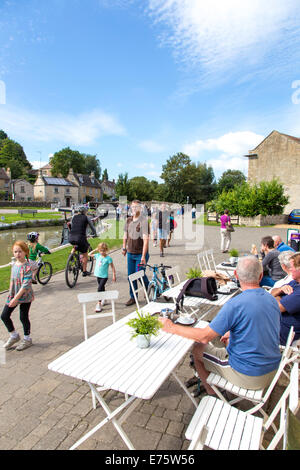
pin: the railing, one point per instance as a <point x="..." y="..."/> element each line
<point x="214" y="217"/>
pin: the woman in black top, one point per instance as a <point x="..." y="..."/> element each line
<point x="77" y="236"/>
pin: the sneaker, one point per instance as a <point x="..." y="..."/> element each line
<point x="25" y="344"/>
<point x="86" y="273"/>
<point x="130" y="302"/>
<point x="161" y="255"/>
<point x="11" y="341"/>
<point x="192" y="381"/>
<point x="34" y="281"/>
<point x="98" y="308"/>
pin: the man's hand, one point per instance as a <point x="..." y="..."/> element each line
<point x="225" y="338"/>
<point x="167" y="324"/>
<point x="124" y="251"/>
<point x="287" y="289"/>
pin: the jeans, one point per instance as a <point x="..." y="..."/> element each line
<point x="267" y="281"/>
<point x="132" y="267"/>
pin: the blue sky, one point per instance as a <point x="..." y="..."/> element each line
<point x="136" y="81"/>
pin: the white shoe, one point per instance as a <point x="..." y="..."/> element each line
<point x="25" y="344"/>
<point x="11" y="341"/>
<point x="98" y="308"/>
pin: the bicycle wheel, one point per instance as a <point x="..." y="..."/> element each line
<point x="151" y="291"/>
<point x="90" y="264"/>
<point x="71" y="271"/>
<point x="44" y="273"/>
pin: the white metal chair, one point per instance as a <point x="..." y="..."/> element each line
<point x="173" y="276"/>
<point x="85" y="298"/>
<point x="257" y="397"/>
<point x="206" y="260"/>
<point x="220" y="426"/>
<point x="136" y="287"/>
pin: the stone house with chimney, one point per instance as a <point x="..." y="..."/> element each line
<point x="109" y="188"/>
<point x="57" y="190"/>
<point x="21" y="190"/>
<point x="277" y="156"/>
<point x="89" y="188"/>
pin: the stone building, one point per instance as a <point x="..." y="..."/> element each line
<point x="89" y="188"/>
<point x="278" y="156"/>
<point x="5" y="177"/>
<point x="21" y="190"/>
<point x="57" y="190"/>
<point x="109" y="188"/>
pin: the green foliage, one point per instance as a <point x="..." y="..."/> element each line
<point x="105" y="175"/>
<point x="141" y="188"/>
<point x="92" y="164"/>
<point x="265" y="198"/>
<point x="12" y="156"/>
<point x="234" y="253"/>
<point x="123" y="186"/>
<point x="229" y="180"/>
<point x="193" y="272"/>
<point x="65" y="159"/>
<point x="144" y="325"/>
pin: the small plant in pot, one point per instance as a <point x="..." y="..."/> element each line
<point x="234" y="256"/>
<point x="193" y="272"/>
<point x="144" y="326"/>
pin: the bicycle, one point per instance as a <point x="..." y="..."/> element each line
<point x="44" y="272"/>
<point x="74" y="266"/>
<point x="157" y="285"/>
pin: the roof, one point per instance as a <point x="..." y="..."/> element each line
<point x="3" y="175"/>
<point x="251" y="152"/>
<point x="87" y="180"/>
<point x="111" y="184"/>
<point x="51" y="181"/>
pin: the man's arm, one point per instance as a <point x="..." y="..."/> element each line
<point x="92" y="226"/>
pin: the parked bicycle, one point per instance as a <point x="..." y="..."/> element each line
<point x="45" y="270"/>
<point x="74" y="267"/>
<point x="159" y="281"/>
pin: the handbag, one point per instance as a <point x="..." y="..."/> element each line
<point x="229" y="227"/>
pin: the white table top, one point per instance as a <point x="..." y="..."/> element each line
<point x="197" y="301"/>
<point x="110" y="359"/>
<point x="229" y="268"/>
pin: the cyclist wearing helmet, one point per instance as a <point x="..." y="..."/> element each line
<point x="77" y="235"/>
<point x="34" y="248"/>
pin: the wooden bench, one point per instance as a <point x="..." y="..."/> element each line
<point x="27" y="211"/>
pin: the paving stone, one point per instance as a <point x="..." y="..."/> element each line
<point x="175" y="429"/>
<point x="157" y="424"/>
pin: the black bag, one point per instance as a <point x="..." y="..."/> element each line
<point x="204" y="287"/>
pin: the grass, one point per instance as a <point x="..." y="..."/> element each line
<point x="11" y="218"/>
<point x="113" y="237"/>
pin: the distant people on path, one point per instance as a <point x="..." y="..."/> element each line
<point x="163" y="228"/>
<point x="193" y="213"/>
<point x="271" y="266"/>
<point x="288" y="298"/>
<point x="248" y="325"/>
<point x="280" y="246"/>
<point x="154" y="224"/>
<point x="78" y="237"/>
<point x="103" y="261"/>
<point x="225" y="234"/>
<point x="172" y="226"/>
<point x="20" y="293"/>
<point x="34" y="249"/>
<point x="136" y="244"/>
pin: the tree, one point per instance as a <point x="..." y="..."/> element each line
<point x="92" y="164"/>
<point x="123" y="186"/>
<point x="230" y="179"/>
<point x="3" y="135"/>
<point x="105" y="175"/>
<point x="141" y="188"/>
<point x="65" y="159"/>
<point x="172" y="176"/>
<point x="12" y="155"/>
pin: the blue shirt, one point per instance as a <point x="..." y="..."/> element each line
<point x="291" y="303"/>
<point x="253" y="319"/>
<point x="283" y="247"/>
<point x="102" y="265"/>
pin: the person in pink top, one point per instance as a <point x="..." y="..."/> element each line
<point x="225" y="234"/>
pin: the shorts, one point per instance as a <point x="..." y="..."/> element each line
<point x="82" y="245"/>
<point x="34" y="265"/>
<point x="162" y="234"/>
<point x="216" y="360"/>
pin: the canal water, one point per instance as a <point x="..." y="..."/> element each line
<point x="49" y="236"/>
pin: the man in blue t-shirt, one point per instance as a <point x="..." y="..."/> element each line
<point x="280" y="246"/>
<point x="288" y="298"/>
<point x="248" y="325"/>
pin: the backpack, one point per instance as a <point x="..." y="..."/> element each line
<point x="204" y="287"/>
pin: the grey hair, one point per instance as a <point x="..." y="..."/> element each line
<point x="284" y="258"/>
<point x="249" y="269"/>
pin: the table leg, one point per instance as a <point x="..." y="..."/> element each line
<point x="110" y="417"/>
<point x="185" y="389"/>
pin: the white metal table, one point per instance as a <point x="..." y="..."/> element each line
<point x="228" y="269"/>
<point x="110" y="359"/>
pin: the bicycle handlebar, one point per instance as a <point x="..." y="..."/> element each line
<point x="161" y="266"/>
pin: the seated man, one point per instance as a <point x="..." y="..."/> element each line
<point x="248" y="324"/>
<point x="288" y="298"/>
<point x="280" y="246"/>
<point x="271" y="266"/>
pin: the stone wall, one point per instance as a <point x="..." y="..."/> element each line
<point x="261" y="220"/>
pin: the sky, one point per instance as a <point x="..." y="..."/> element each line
<point x="137" y="81"/>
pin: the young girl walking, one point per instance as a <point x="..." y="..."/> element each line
<point x="103" y="261"/>
<point x="20" y="293"/>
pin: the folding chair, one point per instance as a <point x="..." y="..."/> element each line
<point x="173" y="276"/>
<point x="220" y="426"/>
<point x="206" y="260"/>
<point x="85" y="298"/>
<point x="257" y="397"/>
<point x="133" y="279"/>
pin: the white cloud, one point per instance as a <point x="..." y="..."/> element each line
<point x="218" y="35"/>
<point x="233" y="146"/>
<point x="145" y="166"/>
<point x="81" y="129"/>
<point x="151" y="146"/>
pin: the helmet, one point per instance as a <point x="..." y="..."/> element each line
<point x="32" y="236"/>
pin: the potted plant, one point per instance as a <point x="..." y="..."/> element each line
<point x="234" y="256"/>
<point x="193" y="272"/>
<point x="144" y="326"/>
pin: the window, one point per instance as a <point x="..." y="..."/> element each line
<point x="56" y="190"/>
<point x="68" y="190"/>
<point x="22" y="189"/>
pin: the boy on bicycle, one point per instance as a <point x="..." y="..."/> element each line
<point x="34" y="249"/>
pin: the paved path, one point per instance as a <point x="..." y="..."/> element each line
<point x="40" y="409"/>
